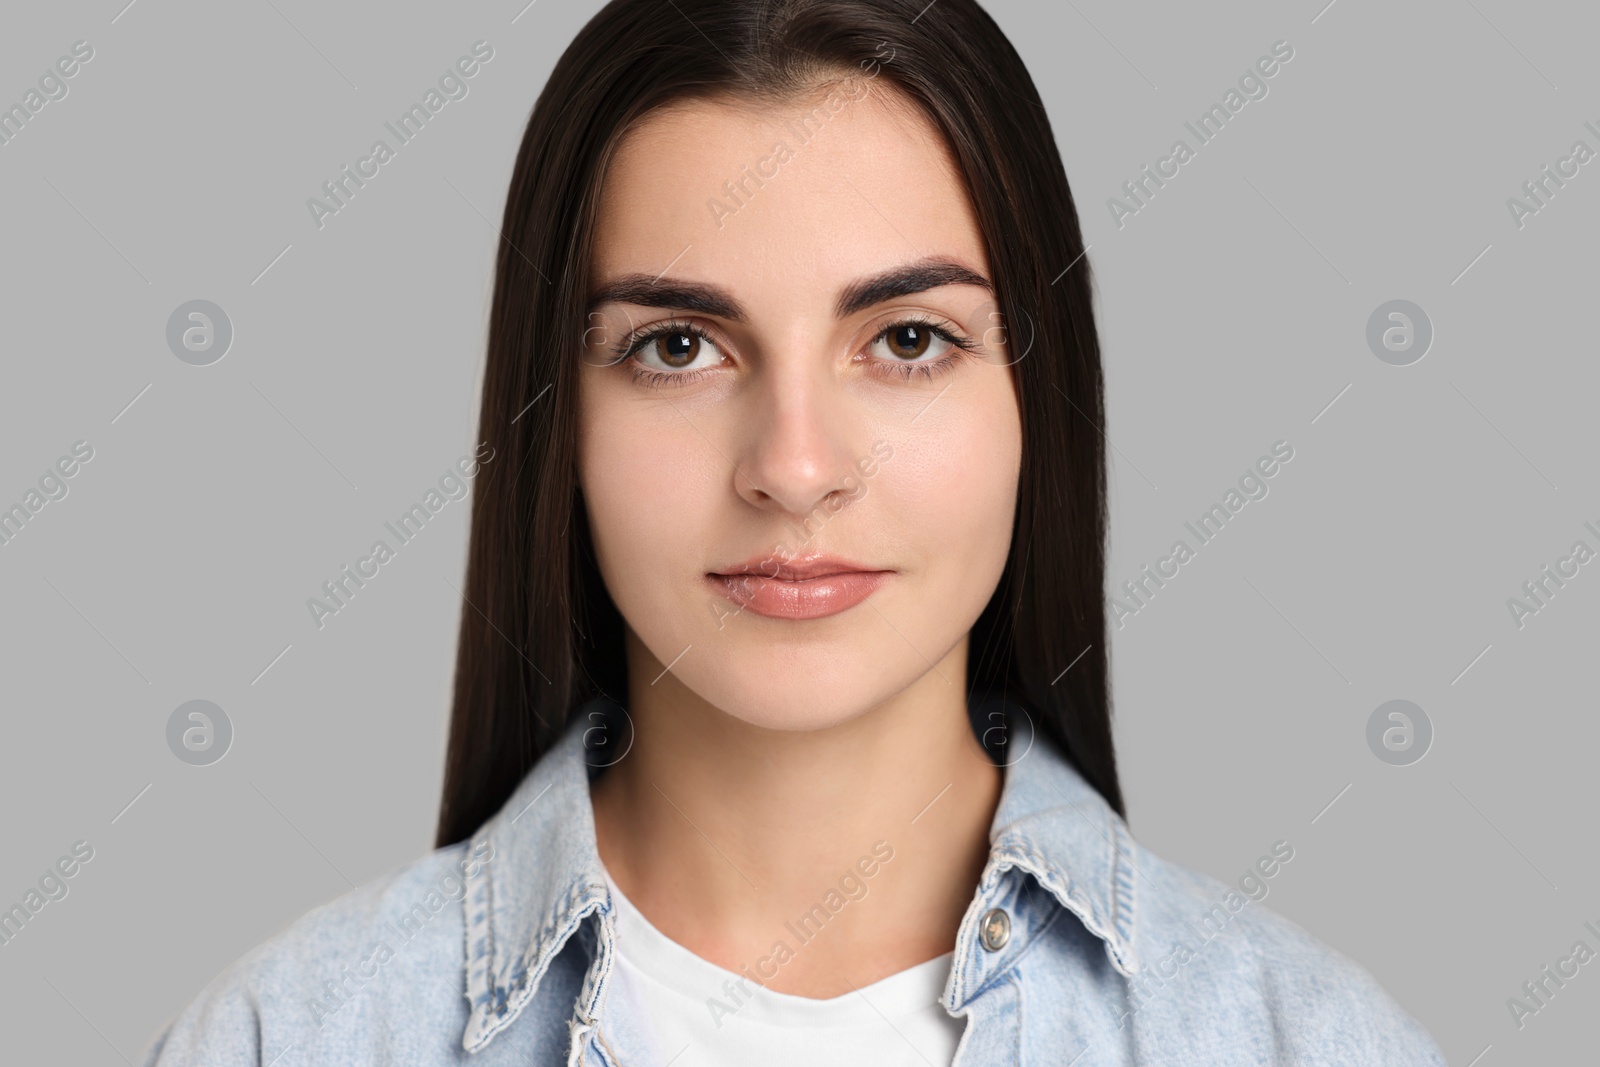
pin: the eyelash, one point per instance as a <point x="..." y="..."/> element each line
<point x="960" y="348"/>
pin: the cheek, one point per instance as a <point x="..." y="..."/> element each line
<point x="955" y="493"/>
<point x="647" y="484"/>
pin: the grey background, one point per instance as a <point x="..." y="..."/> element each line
<point x="1233" y="311"/>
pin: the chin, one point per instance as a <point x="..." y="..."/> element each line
<point x="799" y="696"/>
<point x="794" y="719"/>
<point x="798" y="675"/>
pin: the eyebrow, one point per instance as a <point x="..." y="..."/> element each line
<point x="706" y="299"/>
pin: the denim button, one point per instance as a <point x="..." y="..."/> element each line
<point x="996" y="929"/>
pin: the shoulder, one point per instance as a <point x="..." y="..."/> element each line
<point x="329" y="974"/>
<point x="1260" y="971"/>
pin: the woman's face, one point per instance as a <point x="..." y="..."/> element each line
<point x="795" y="285"/>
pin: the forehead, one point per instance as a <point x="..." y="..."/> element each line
<point x="765" y="197"/>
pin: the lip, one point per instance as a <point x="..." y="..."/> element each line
<point x="816" y="565"/>
<point x="812" y="587"/>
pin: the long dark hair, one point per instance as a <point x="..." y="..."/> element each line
<point x="539" y="633"/>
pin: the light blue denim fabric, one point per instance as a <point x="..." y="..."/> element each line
<point x="500" y="951"/>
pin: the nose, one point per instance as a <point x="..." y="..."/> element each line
<point x="796" y="443"/>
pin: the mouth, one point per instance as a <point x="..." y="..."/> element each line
<point x="798" y="589"/>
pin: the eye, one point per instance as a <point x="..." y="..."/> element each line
<point x="674" y="347"/>
<point x="918" y="346"/>
<point x="910" y="340"/>
<point x="669" y="351"/>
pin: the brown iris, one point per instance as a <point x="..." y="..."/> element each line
<point x="678" y="349"/>
<point x="909" y="341"/>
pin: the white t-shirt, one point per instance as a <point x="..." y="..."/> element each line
<point x="696" y="1018"/>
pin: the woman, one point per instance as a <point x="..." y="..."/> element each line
<point x="781" y="729"/>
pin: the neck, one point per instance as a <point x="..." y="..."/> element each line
<point x="857" y="845"/>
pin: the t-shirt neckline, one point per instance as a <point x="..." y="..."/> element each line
<point x="655" y="957"/>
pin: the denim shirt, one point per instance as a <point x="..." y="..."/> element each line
<point x="1079" y="946"/>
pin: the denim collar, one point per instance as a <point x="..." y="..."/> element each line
<point x="544" y="876"/>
